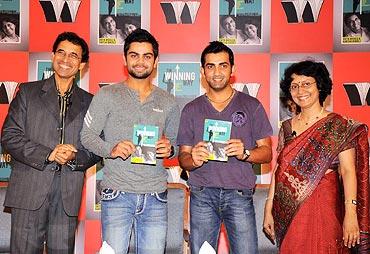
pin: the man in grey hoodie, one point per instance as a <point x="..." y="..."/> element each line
<point x="134" y="195"/>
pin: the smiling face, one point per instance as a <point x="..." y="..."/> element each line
<point x="217" y="70"/>
<point x="250" y="30"/>
<point x="110" y="25"/>
<point x="229" y="25"/>
<point x="304" y="91"/>
<point x="8" y="28"/>
<point x="66" y="60"/>
<point x="129" y="28"/>
<point x="140" y="60"/>
<point x="354" y="23"/>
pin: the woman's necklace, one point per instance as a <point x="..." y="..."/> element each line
<point x="228" y="98"/>
<point x="312" y="119"/>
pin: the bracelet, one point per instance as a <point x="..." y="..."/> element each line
<point x="352" y="201"/>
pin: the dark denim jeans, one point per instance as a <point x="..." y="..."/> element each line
<point x="209" y="207"/>
<point x="147" y="213"/>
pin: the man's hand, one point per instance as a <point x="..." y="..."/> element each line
<point x="63" y="153"/>
<point x="163" y="148"/>
<point x="123" y="149"/>
<point x="235" y="147"/>
<point x="199" y="154"/>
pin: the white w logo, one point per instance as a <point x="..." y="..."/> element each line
<point x="60" y="10"/>
<point x="180" y="12"/>
<point x="248" y="88"/>
<point x="358" y="93"/>
<point x="298" y="11"/>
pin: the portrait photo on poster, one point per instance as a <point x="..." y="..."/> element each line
<point x="242" y="25"/>
<point x="356" y="22"/>
<point x="13" y="24"/>
<point x="113" y="20"/>
<point x="352" y="27"/>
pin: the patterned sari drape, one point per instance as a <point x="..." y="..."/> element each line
<point x="303" y="161"/>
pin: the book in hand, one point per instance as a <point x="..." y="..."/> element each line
<point x="144" y="138"/>
<point x="216" y="134"/>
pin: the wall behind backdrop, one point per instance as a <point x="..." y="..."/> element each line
<point x="266" y="36"/>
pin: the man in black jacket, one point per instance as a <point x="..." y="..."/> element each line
<point x="41" y="132"/>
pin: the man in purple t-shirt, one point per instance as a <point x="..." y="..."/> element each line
<point x="223" y="191"/>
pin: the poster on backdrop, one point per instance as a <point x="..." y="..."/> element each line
<point x="351" y="28"/>
<point x="241" y="24"/>
<point x="13" y="24"/>
<point x="181" y="79"/>
<point x="113" y="20"/>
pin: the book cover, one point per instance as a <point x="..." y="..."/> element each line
<point x="144" y="138"/>
<point x="216" y="133"/>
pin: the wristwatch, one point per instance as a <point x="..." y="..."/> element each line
<point x="247" y="153"/>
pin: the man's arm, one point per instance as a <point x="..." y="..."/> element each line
<point x="94" y="122"/>
<point x="193" y="157"/>
<point x="170" y="132"/>
<point x="262" y="153"/>
<point x="14" y="139"/>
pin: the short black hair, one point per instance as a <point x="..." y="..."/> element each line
<point x="348" y="15"/>
<point x="309" y="68"/>
<point x="141" y="35"/>
<point x="74" y="39"/>
<point x="103" y="17"/>
<point x="217" y="47"/>
<point x="224" y="18"/>
<point x="10" y="19"/>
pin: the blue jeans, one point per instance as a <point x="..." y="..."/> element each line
<point x="209" y="207"/>
<point x="146" y="213"/>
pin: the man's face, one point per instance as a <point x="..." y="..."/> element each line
<point x="217" y="70"/>
<point x="354" y="23"/>
<point x="250" y="30"/>
<point x="110" y="25"/>
<point x="140" y="60"/>
<point x="8" y="28"/>
<point x="66" y="60"/>
<point x="229" y="25"/>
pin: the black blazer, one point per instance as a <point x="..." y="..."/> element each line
<point x="30" y="132"/>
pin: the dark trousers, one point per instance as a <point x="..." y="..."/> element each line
<point x="49" y="223"/>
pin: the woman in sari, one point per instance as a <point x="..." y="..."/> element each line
<point x="318" y="200"/>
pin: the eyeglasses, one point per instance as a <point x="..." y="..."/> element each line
<point x="62" y="54"/>
<point x="304" y="85"/>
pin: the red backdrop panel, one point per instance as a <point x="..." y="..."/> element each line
<point x="13" y="67"/>
<point x="105" y="68"/>
<point x="348" y="68"/>
<point x="252" y="68"/>
<point x="303" y="37"/>
<point x="42" y="34"/>
<point x="180" y="38"/>
<point x="92" y="236"/>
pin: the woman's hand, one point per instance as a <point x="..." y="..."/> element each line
<point x="351" y="232"/>
<point x="268" y="222"/>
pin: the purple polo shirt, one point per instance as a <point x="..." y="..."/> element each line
<point x="249" y="123"/>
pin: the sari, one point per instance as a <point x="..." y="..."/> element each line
<point x="300" y="175"/>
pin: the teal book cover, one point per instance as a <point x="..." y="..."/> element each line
<point x="216" y="133"/>
<point x="144" y="138"/>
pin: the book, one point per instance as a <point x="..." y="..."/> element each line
<point x="144" y="138"/>
<point x="216" y="133"/>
